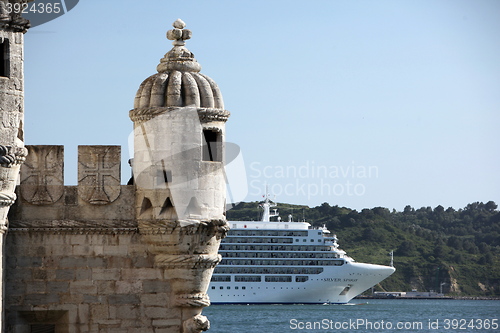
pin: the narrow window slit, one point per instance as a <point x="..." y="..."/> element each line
<point x="212" y="148"/>
<point x="5" y="58"/>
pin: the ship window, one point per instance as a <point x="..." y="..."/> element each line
<point x="213" y="287"/>
<point x="266" y="270"/>
<point x="221" y="288"/>
<point x="304" y="240"/>
<point x="243" y="287"/>
<point x="278" y="279"/>
<point x="247" y="278"/>
<point x="221" y="278"/>
<point x="301" y="278"/>
<point x="338" y="262"/>
<point x="5" y="58"/>
<point x="212" y="147"/>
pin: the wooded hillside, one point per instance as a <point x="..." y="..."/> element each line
<point x="456" y="250"/>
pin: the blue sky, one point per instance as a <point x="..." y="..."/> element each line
<point x="354" y="103"/>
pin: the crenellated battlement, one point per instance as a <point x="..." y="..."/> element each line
<point x="42" y="195"/>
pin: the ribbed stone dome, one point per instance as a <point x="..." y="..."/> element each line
<point x="178" y="82"/>
<point x="177" y="88"/>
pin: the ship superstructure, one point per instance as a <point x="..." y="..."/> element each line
<point x="287" y="262"/>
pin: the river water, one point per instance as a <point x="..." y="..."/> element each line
<point x="422" y="316"/>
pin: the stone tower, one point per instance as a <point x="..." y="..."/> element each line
<point x="12" y="151"/>
<point x="101" y="257"/>
<point x="179" y="125"/>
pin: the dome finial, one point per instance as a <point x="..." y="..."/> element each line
<point x="179" y="24"/>
<point x="179" y="58"/>
<point x="179" y="35"/>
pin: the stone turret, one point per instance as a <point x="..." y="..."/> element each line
<point x="12" y="151"/>
<point x="179" y="125"/>
<point x="105" y="257"/>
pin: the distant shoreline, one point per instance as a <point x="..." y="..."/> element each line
<point x="494" y="298"/>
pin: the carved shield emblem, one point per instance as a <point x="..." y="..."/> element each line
<point x="42" y="179"/>
<point x="99" y="174"/>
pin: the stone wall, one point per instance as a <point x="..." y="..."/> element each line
<point x="75" y="261"/>
<point x="84" y="282"/>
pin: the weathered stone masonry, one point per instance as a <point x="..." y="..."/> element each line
<point x="76" y="264"/>
<point x="105" y="257"/>
<point x="12" y="151"/>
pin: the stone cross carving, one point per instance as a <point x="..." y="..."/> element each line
<point x="42" y="178"/>
<point x="99" y="174"/>
<point x="179" y="34"/>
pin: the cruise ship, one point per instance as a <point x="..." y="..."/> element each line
<point x="282" y="262"/>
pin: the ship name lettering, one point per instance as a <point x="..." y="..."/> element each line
<point x="350" y="280"/>
<point x="332" y="279"/>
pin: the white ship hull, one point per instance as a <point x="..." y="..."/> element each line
<point x="326" y="287"/>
